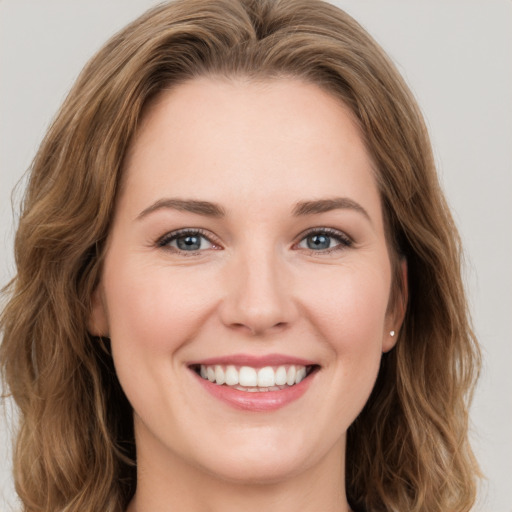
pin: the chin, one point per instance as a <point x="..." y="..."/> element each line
<point x="263" y="456"/>
<point x="259" y="470"/>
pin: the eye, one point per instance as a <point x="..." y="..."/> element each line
<point x="324" y="240"/>
<point x="187" y="240"/>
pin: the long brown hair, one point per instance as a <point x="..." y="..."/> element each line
<point x="408" y="449"/>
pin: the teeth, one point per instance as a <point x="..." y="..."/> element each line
<point x="231" y="375"/>
<point x="281" y="376"/>
<point x="266" y="377"/>
<point x="290" y="376"/>
<point x="220" y="376"/>
<point x="246" y="378"/>
<point x="301" y="373"/>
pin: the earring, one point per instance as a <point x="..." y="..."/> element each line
<point x="391" y="333"/>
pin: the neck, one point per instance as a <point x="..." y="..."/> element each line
<point x="165" y="483"/>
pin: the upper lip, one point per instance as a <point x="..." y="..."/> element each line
<point x="254" y="361"/>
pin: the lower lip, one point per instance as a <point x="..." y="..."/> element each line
<point x="258" y="401"/>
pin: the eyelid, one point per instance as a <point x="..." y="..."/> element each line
<point x="164" y="240"/>
<point x="345" y="240"/>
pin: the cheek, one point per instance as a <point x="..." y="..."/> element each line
<point x="350" y="308"/>
<point x="350" y="315"/>
<point x="153" y="310"/>
<point x="347" y="308"/>
<point x="153" y="313"/>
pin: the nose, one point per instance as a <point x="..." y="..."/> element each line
<point x="258" y="295"/>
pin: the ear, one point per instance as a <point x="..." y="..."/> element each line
<point x="97" y="324"/>
<point x="396" y="313"/>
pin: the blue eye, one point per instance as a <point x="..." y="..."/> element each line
<point x="186" y="241"/>
<point x="325" y="240"/>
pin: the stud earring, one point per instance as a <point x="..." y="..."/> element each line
<point x="391" y="333"/>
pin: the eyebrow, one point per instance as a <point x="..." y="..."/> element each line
<point x="327" y="205"/>
<point x="205" y="208"/>
<point x="209" y="209"/>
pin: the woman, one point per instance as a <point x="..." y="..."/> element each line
<point x="238" y="281"/>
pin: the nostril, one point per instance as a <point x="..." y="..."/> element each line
<point x="257" y="329"/>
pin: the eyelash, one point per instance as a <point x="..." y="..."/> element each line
<point x="344" y="241"/>
<point x="174" y="235"/>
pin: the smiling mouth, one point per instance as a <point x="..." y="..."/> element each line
<point x="250" y="379"/>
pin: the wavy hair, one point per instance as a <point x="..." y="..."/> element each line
<point x="408" y="449"/>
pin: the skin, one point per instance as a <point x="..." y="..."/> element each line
<point x="254" y="287"/>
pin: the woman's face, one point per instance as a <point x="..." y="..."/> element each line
<point x="247" y="246"/>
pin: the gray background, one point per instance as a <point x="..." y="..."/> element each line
<point x="456" y="56"/>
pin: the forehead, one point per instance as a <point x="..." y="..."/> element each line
<point x="279" y="138"/>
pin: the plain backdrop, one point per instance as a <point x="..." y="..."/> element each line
<point x="456" y="56"/>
